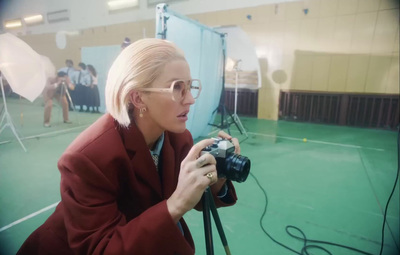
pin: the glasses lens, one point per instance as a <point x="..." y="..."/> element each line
<point x="195" y="88"/>
<point x="180" y="88"/>
<point x="178" y="91"/>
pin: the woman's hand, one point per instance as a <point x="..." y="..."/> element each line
<point x="235" y="141"/>
<point x="197" y="173"/>
<point x="221" y="181"/>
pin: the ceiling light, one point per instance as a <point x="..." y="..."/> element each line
<point x="33" y="19"/>
<point x="154" y="2"/>
<point x="57" y="16"/>
<point x="122" y="4"/>
<point x="13" y="23"/>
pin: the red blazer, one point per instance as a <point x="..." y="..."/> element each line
<point x="113" y="201"/>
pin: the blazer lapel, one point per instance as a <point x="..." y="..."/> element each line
<point x="170" y="171"/>
<point x="141" y="160"/>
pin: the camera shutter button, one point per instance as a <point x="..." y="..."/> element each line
<point x="207" y="148"/>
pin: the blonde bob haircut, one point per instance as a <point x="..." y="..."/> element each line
<point x="137" y="66"/>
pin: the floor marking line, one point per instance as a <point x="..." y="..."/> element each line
<point x="47" y="134"/>
<point x="29" y="216"/>
<point x="316" y="141"/>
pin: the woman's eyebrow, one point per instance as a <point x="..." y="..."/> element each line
<point x="173" y="79"/>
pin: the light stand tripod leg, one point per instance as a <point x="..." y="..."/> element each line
<point x="7" y="119"/>
<point x="1" y="123"/>
<point x="239" y="123"/>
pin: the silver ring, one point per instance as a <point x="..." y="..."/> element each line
<point x="210" y="176"/>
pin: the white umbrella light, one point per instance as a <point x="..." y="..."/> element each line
<point x="24" y="69"/>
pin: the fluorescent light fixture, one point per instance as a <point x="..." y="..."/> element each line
<point x="13" y="23"/>
<point x="122" y="4"/>
<point x="154" y="2"/>
<point x="58" y="16"/>
<point x="33" y="19"/>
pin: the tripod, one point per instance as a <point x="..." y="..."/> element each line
<point x="65" y="89"/>
<point x="208" y="204"/>
<point x="6" y="118"/>
<point x="225" y="123"/>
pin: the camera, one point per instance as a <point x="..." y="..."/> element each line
<point x="229" y="165"/>
<point x="60" y="86"/>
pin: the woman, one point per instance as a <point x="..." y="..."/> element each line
<point x="93" y="94"/>
<point x="117" y="199"/>
<point x="82" y="87"/>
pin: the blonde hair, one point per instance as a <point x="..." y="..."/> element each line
<point x="137" y="66"/>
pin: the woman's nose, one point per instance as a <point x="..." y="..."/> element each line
<point x="188" y="98"/>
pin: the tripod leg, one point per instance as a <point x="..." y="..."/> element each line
<point x="1" y="123"/>
<point x="218" y="223"/>
<point x="11" y="125"/>
<point x="239" y="123"/>
<point x="70" y="99"/>
<point x="207" y="223"/>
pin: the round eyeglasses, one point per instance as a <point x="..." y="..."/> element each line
<point x="179" y="88"/>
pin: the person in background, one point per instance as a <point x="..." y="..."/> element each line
<point x="82" y="87"/>
<point x="93" y="90"/>
<point x="72" y="74"/>
<point x="125" y="43"/>
<point x="128" y="179"/>
<point x="69" y="69"/>
<point x="56" y="88"/>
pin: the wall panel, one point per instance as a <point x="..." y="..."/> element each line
<point x="357" y="72"/>
<point x="338" y="73"/>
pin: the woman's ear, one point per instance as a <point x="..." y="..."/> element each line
<point x="136" y="99"/>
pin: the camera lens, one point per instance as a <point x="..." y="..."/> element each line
<point x="237" y="167"/>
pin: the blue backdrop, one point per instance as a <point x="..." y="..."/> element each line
<point x="204" y="52"/>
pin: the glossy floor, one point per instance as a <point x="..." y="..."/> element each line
<point x="331" y="182"/>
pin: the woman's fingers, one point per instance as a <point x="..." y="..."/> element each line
<point x="197" y="148"/>
<point x="205" y="159"/>
<point x="224" y="135"/>
<point x="235" y="141"/>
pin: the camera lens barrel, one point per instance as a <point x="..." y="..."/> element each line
<point x="235" y="167"/>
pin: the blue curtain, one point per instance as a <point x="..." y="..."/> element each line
<point x="204" y="52"/>
<point x="101" y="58"/>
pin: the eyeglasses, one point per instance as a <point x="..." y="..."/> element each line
<point x="179" y="88"/>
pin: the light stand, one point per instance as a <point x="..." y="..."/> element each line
<point x="224" y="124"/>
<point x="6" y="120"/>
<point x="235" y="116"/>
<point x="208" y="204"/>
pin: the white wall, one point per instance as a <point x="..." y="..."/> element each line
<point x="94" y="13"/>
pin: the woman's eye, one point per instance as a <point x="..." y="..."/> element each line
<point x="179" y="85"/>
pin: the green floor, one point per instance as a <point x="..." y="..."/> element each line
<point x="334" y="186"/>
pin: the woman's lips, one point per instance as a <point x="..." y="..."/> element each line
<point x="183" y="116"/>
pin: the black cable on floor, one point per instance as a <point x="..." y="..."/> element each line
<point x="306" y="241"/>
<point x="391" y="194"/>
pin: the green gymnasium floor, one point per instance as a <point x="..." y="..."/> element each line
<point x="334" y="186"/>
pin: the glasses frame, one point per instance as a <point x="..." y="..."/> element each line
<point x="171" y="88"/>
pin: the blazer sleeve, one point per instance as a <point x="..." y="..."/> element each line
<point x="94" y="223"/>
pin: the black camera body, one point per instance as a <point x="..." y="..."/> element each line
<point x="229" y="165"/>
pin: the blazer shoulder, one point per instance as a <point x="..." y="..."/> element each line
<point x="101" y="132"/>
